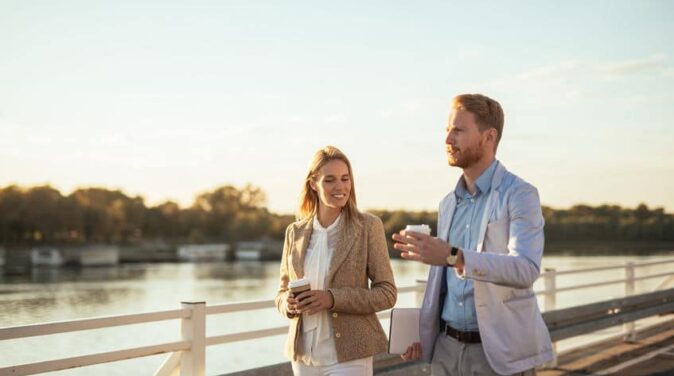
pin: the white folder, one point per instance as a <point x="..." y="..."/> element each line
<point x="404" y="329"/>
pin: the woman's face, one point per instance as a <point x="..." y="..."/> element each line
<point x="333" y="184"/>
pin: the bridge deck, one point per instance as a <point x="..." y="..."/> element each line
<point x="651" y="354"/>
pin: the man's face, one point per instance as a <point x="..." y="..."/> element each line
<point x="464" y="142"/>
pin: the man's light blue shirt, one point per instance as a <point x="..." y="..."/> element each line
<point x="459" y="307"/>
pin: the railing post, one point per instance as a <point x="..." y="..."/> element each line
<point x="550" y="280"/>
<point x="629" y="333"/>
<point x="193" y="329"/>
<point x="550" y="304"/>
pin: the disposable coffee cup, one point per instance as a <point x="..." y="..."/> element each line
<point x="299" y="286"/>
<point x="423" y="229"/>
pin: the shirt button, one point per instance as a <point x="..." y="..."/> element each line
<point x="338" y="335"/>
<point x="472" y="200"/>
<point x="335" y="314"/>
<point x="467" y="226"/>
<point x="460" y="304"/>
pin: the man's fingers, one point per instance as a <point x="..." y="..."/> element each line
<point x="403" y="247"/>
<point x="408" y="237"/>
<point x="408" y="353"/>
<point x="413" y="236"/>
<point x="410" y="256"/>
<point x="416" y="350"/>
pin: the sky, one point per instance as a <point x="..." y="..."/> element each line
<point x="168" y="99"/>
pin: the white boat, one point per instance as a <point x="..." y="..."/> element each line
<point x="250" y="251"/>
<point x="47" y="257"/>
<point x="99" y="255"/>
<point x="203" y="252"/>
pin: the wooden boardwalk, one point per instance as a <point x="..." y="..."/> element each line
<point x="652" y="353"/>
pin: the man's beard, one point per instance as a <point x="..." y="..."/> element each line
<point x="467" y="156"/>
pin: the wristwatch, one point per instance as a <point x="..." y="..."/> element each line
<point x="451" y="259"/>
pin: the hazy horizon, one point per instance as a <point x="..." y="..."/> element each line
<point x="169" y="99"/>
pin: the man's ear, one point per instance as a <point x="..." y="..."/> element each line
<point x="492" y="133"/>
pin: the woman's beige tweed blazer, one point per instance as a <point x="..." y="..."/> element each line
<point x="360" y="255"/>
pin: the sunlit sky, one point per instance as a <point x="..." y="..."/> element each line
<point x="170" y="99"/>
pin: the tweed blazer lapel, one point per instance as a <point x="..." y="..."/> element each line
<point x="299" y="251"/>
<point x="348" y="232"/>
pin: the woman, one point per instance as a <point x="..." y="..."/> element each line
<point x="333" y="327"/>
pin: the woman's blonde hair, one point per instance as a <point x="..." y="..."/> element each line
<point x="309" y="198"/>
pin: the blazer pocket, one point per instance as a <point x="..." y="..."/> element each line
<point x="521" y="302"/>
<point x="498" y="223"/>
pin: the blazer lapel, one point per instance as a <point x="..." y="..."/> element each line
<point x="491" y="204"/>
<point x="445" y="220"/>
<point x="492" y="201"/>
<point x="299" y="251"/>
<point x="346" y="239"/>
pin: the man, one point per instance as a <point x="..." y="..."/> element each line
<point x="479" y="315"/>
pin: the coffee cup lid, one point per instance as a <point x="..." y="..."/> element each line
<point x="298" y="283"/>
<point x="419" y="228"/>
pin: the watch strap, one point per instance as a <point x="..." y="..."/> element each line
<point x="451" y="259"/>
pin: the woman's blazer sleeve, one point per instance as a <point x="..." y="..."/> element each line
<point x="283" y="291"/>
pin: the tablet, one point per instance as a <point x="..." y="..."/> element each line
<point x="404" y="329"/>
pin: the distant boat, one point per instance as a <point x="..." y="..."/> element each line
<point x="249" y="251"/>
<point x="97" y="255"/>
<point x="203" y="252"/>
<point x="51" y="257"/>
<point x="265" y="249"/>
<point x="93" y="255"/>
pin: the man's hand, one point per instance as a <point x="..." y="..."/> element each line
<point x="314" y="301"/>
<point x="413" y="352"/>
<point x="424" y="248"/>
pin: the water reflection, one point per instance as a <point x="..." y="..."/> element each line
<point x="232" y="271"/>
<point x="91" y="274"/>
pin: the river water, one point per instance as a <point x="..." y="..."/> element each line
<point x="60" y="294"/>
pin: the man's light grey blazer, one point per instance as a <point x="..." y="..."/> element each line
<point x="504" y="267"/>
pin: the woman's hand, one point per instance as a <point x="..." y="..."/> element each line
<point x="314" y="301"/>
<point x="291" y="304"/>
<point x="413" y="352"/>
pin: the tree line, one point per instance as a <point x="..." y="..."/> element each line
<point x="43" y="215"/>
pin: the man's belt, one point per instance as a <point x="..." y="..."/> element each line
<point x="465" y="337"/>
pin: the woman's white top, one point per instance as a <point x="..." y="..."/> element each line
<point x="317" y="338"/>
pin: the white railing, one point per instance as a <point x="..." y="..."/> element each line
<point x="187" y="356"/>
<point x="551" y="290"/>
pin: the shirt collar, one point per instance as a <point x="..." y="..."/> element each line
<point x="483" y="183"/>
<point x="317" y="224"/>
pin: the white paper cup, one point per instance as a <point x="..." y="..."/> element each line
<point x="299" y="286"/>
<point x="423" y="229"/>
